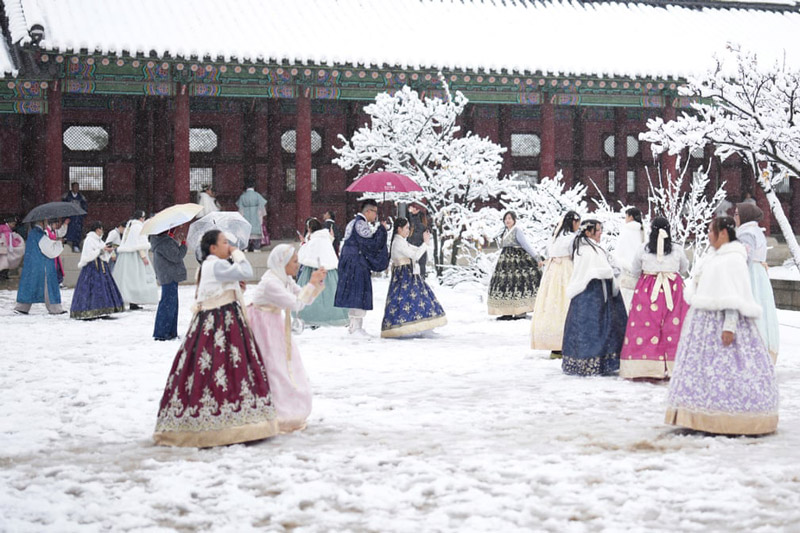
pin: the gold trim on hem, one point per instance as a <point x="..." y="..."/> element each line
<point x="723" y="423"/>
<point x="414" y="327"/>
<point x="220" y="437"/>
<point x="289" y="426"/>
<point x="644" y="368"/>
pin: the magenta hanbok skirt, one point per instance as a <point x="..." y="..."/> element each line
<point x="288" y="381"/>
<point x="217" y="392"/>
<point x="653" y="331"/>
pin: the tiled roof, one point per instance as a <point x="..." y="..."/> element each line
<point x="651" y="38"/>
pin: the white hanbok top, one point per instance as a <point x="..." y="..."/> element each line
<point x="283" y="294"/>
<point x="218" y="275"/>
<point x="751" y="235"/>
<point x="318" y="251"/>
<point x="133" y="240"/>
<point x="51" y="248"/>
<point x="628" y="245"/>
<point x="562" y="246"/>
<point x="208" y="203"/>
<point x="404" y="253"/>
<point x="92" y="249"/>
<point x="645" y="261"/>
<point x="114" y="238"/>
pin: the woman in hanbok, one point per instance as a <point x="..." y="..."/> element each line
<point x="114" y="239"/>
<point x="512" y="289"/>
<point x="658" y="308"/>
<point x="133" y="273"/>
<point x="749" y="233"/>
<point x="317" y="252"/>
<point x="724" y="380"/>
<point x="411" y="305"/>
<point x="38" y="282"/>
<point x="550" y="309"/>
<point x="96" y="295"/>
<point x="629" y="244"/>
<point x="12" y="247"/>
<point x="217" y="392"/>
<point x="208" y="200"/>
<point x="595" y="324"/>
<point x="274" y="300"/>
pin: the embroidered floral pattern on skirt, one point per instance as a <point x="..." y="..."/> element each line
<point x="593" y="331"/>
<point x="552" y="304"/>
<point x="411" y="305"/>
<point x="722" y="389"/>
<point x="217" y="392"/>
<point x="653" y="332"/>
<point x="512" y="289"/>
<point x="96" y="294"/>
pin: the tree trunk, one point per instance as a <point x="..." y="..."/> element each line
<point x="775" y="206"/>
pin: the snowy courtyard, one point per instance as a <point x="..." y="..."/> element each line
<point x="466" y="429"/>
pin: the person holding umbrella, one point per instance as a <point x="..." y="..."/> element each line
<point x="39" y="281"/>
<point x="133" y="273"/>
<point x="168" y="263"/>
<point x="363" y="250"/>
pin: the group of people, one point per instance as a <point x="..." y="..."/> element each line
<point x="251" y="205"/>
<point x="630" y="312"/>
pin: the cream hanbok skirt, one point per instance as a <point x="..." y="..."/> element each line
<point x="552" y="304"/>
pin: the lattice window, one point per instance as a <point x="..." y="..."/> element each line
<point x="88" y="178"/>
<point x="525" y="145"/>
<point x="697" y="152"/>
<point x="531" y="177"/>
<point x="631" y="181"/>
<point x="200" y="177"/>
<point x="202" y="140"/>
<point x="289" y="141"/>
<point x="611" y="185"/>
<point x="291" y="180"/>
<point x="631" y="142"/>
<point x="86" y="138"/>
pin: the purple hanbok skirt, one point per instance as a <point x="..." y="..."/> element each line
<point x="96" y="293"/>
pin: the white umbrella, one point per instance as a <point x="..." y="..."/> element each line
<point x="230" y="222"/>
<point x="170" y="217"/>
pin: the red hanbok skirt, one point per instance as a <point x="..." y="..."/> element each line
<point x="217" y="392"/>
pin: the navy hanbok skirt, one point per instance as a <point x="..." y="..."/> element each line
<point x="96" y="294"/>
<point x="411" y="306"/>
<point x="594" y="331"/>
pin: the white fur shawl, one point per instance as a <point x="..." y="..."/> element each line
<point x="92" y="249"/>
<point x="629" y="243"/>
<point x="318" y="251"/>
<point x="723" y="282"/>
<point x="588" y="264"/>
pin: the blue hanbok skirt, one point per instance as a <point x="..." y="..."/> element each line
<point x="768" y="321"/>
<point x="96" y="294"/>
<point x="411" y="306"/>
<point x="594" y="331"/>
<point x="322" y="312"/>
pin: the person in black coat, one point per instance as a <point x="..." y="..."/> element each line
<point x="418" y="219"/>
<point x="329" y="219"/>
<point x="168" y="263"/>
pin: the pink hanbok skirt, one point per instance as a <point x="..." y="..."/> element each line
<point x="653" y="331"/>
<point x="288" y="381"/>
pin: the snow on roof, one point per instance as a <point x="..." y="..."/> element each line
<point x="556" y="37"/>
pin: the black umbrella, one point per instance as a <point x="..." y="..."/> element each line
<point x="53" y="210"/>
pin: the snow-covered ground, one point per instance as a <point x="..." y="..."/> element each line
<point x="467" y="430"/>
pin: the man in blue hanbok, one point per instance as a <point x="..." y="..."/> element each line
<point x="363" y="251"/>
<point x="39" y="281"/>
<point x="75" y="230"/>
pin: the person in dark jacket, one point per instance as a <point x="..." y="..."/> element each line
<point x="168" y="263"/>
<point x="418" y="220"/>
<point x="329" y="219"/>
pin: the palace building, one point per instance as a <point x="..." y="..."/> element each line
<point x="144" y="102"/>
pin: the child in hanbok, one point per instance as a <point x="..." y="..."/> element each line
<point x="12" y="247"/>
<point x="133" y="273"/>
<point x="629" y="244"/>
<point x="550" y="309"/>
<point x="317" y="252"/>
<point x="411" y="306"/>
<point x="270" y="314"/>
<point x="217" y="392"/>
<point x="658" y="308"/>
<point x="724" y="380"/>
<point x="512" y="289"/>
<point x="96" y="295"/>
<point x="595" y="324"/>
<point x="38" y="282"/>
<point x="752" y="237"/>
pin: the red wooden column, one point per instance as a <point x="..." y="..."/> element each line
<point x="668" y="162"/>
<point x="53" y="168"/>
<point x="621" y="154"/>
<point x="303" y="160"/>
<point x="180" y="139"/>
<point x="547" y="166"/>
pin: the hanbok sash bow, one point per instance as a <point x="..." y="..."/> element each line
<point x="664" y="282"/>
<point x="287" y="333"/>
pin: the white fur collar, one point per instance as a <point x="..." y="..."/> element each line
<point x="723" y="282"/>
<point x="591" y="263"/>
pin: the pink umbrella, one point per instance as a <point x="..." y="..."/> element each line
<point x="384" y="182"/>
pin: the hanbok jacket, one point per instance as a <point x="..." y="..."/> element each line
<point x="318" y="251"/>
<point x="363" y="251"/>
<point x="92" y="249"/>
<point x="39" y="269"/>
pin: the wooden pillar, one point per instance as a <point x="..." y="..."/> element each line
<point x="161" y="173"/>
<point x="180" y="147"/>
<point x="54" y="171"/>
<point x="547" y="165"/>
<point x="303" y="159"/>
<point x="794" y="206"/>
<point x="577" y="146"/>
<point x="621" y="154"/>
<point x="504" y="138"/>
<point x="668" y="162"/>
